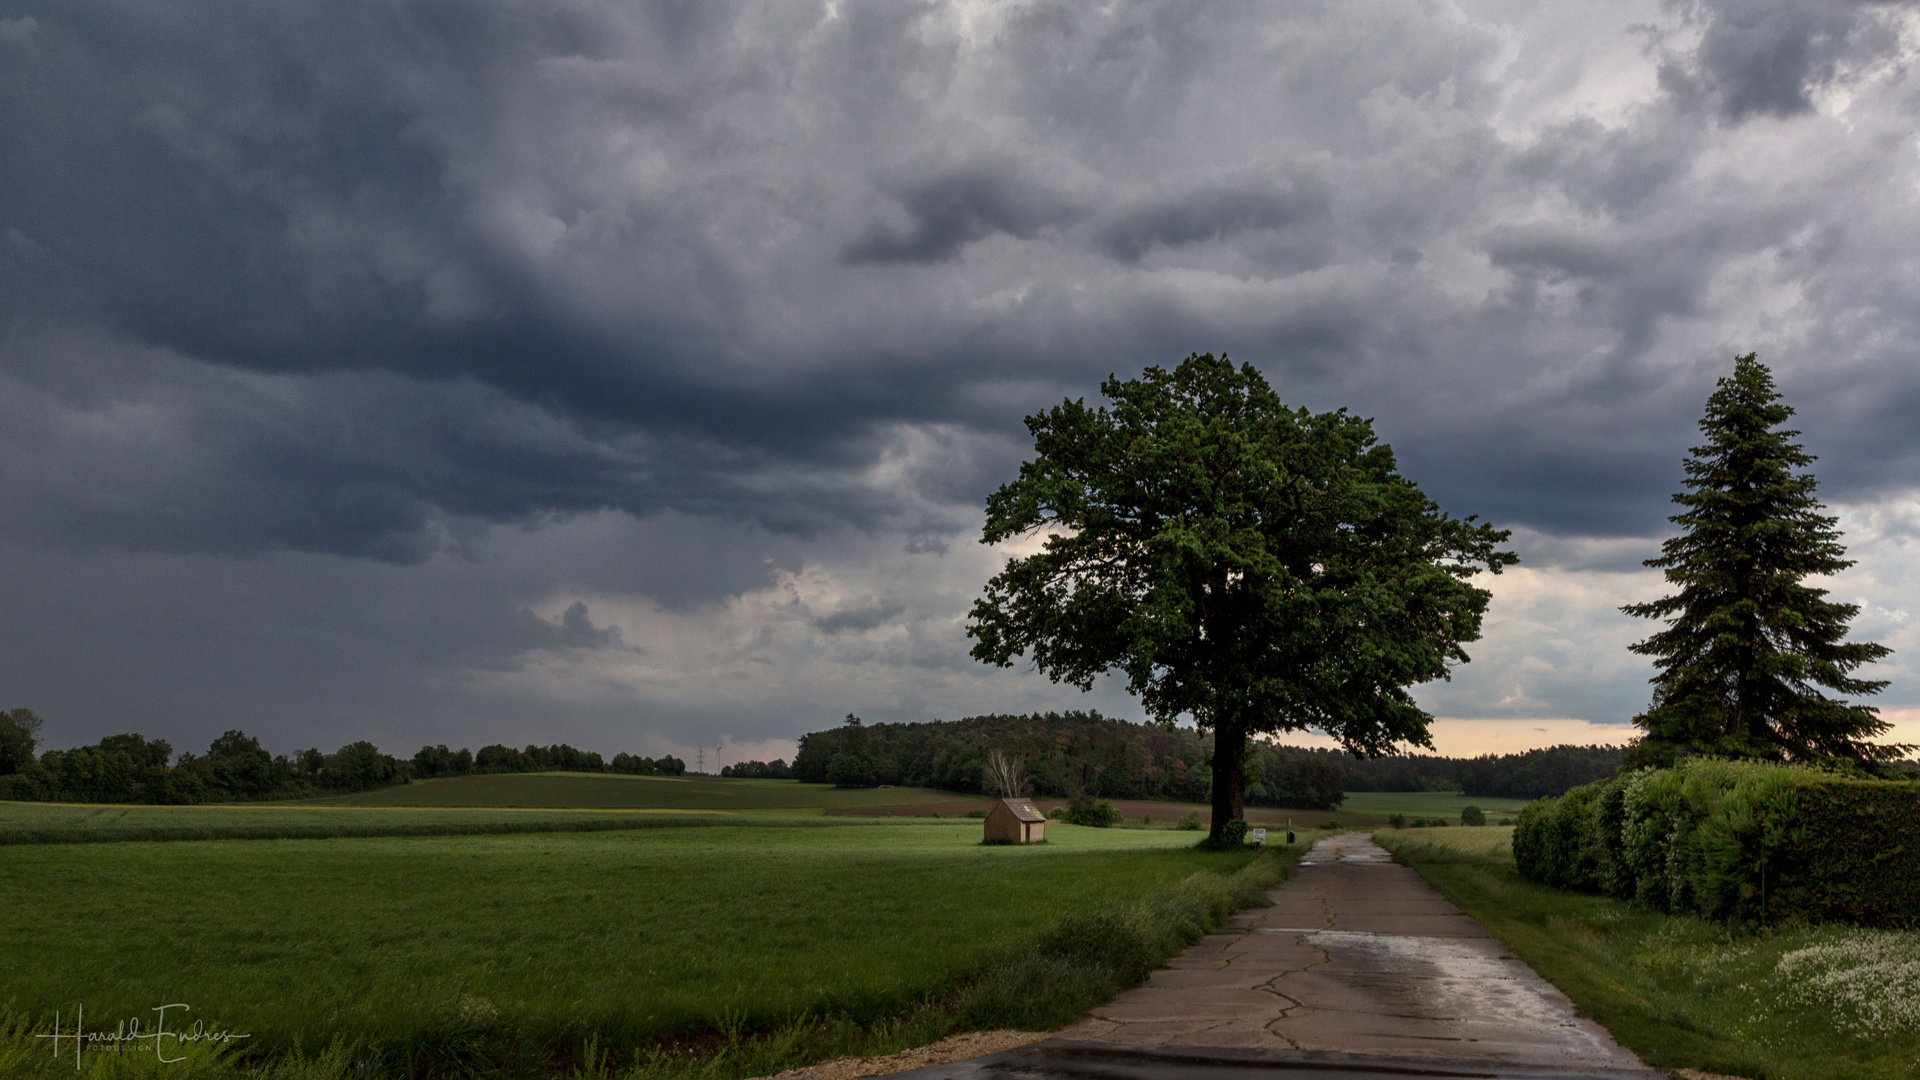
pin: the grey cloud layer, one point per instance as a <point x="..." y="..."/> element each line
<point x="534" y="259"/>
<point x="378" y="280"/>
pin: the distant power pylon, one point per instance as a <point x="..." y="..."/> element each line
<point x="700" y="762"/>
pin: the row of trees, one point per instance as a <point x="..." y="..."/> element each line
<point x="1528" y="775"/>
<point x="1064" y="753"/>
<point x="133" y="769"/>
<point x="759" y="770"/>
<point x="434" y="761"/>
<point x="1537" y="773"/>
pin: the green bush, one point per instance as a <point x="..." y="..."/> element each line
<point x="1739" y="841"/>
<point x="1190" y="823"/>
<point x="1099" y="814"/>
<point x="1472" y="815"/>
<point x="1396" y="821"/>
<point x="1233" y="837"/>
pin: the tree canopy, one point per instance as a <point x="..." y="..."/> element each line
<point x="1256" y="567"/>
<point x="1749" y="646"/>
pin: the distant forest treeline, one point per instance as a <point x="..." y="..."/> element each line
<point x="1064" y="754"/>
<point x="1528" y="775"/>
<point x="134" y="769"/>
<point x="758" y="770"/>
<point x="1075" y="752"/>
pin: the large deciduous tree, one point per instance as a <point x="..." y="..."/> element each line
<point x="1749" y="646"/>
<point x="1258" y="568"/>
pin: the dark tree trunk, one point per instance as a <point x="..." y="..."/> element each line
<point x="1229" y="777"/>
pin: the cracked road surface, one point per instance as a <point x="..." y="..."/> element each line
<point x="1359" y="967"/>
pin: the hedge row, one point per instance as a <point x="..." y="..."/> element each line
<point x="1741" y="841"/>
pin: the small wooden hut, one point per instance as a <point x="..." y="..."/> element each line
<point x="1015" y="821"/>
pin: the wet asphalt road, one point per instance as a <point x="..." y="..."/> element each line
<point x="1359" y="969"/>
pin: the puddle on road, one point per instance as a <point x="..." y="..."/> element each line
<point x="1323" y="854"/>
<point x="1445" y="978"/>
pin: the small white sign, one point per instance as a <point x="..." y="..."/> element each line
<point x="1259" y="836"/>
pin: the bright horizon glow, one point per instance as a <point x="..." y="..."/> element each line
<point x="1452" y="737"/>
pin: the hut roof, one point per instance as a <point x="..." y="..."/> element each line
<point x="1023" y="810"/>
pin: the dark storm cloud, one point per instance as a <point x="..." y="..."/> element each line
<point x="373" y="279"/>
<point x="578" y="632"/>
<point x="1765" y="57"/>
<point x="300" y="650"/>
<point x="954" y="208"/>
<point x="866" y="618"/>
<point x="1204" y="216"/>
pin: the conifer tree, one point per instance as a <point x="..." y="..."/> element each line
<point x="1749" y="649"/>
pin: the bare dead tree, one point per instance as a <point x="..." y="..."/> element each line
<point x="1005" y="774"/>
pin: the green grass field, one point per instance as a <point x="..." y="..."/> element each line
<point x="508" y="803"/>
<point x="563" y="802"/>
<point x="620" y="938"/>
<point x="1792" y="1003"/>
<point x="1446" y="804"/>
<point x="72" y="823"/>
<point x="583" y="802"/>
<point x="601" y="791"/>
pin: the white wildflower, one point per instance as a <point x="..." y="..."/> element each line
<point x="1870" y="979"/>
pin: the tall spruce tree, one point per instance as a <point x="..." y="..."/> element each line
<point x="1749" y="648"/>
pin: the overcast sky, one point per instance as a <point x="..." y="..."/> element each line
<point x="632" y="374"/>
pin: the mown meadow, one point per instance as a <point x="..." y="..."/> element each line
<point x="493" y="804"/>
<point x="1795" y="1001"/>
<point x="67" y="823"/>
<point x="602" y="791"/>
<point x="584" y="802"/>
<point x="1447" y="804"/>
<point x="534" y="954"/>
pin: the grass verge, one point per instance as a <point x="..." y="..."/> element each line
<point x="1794" y="1002"/>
